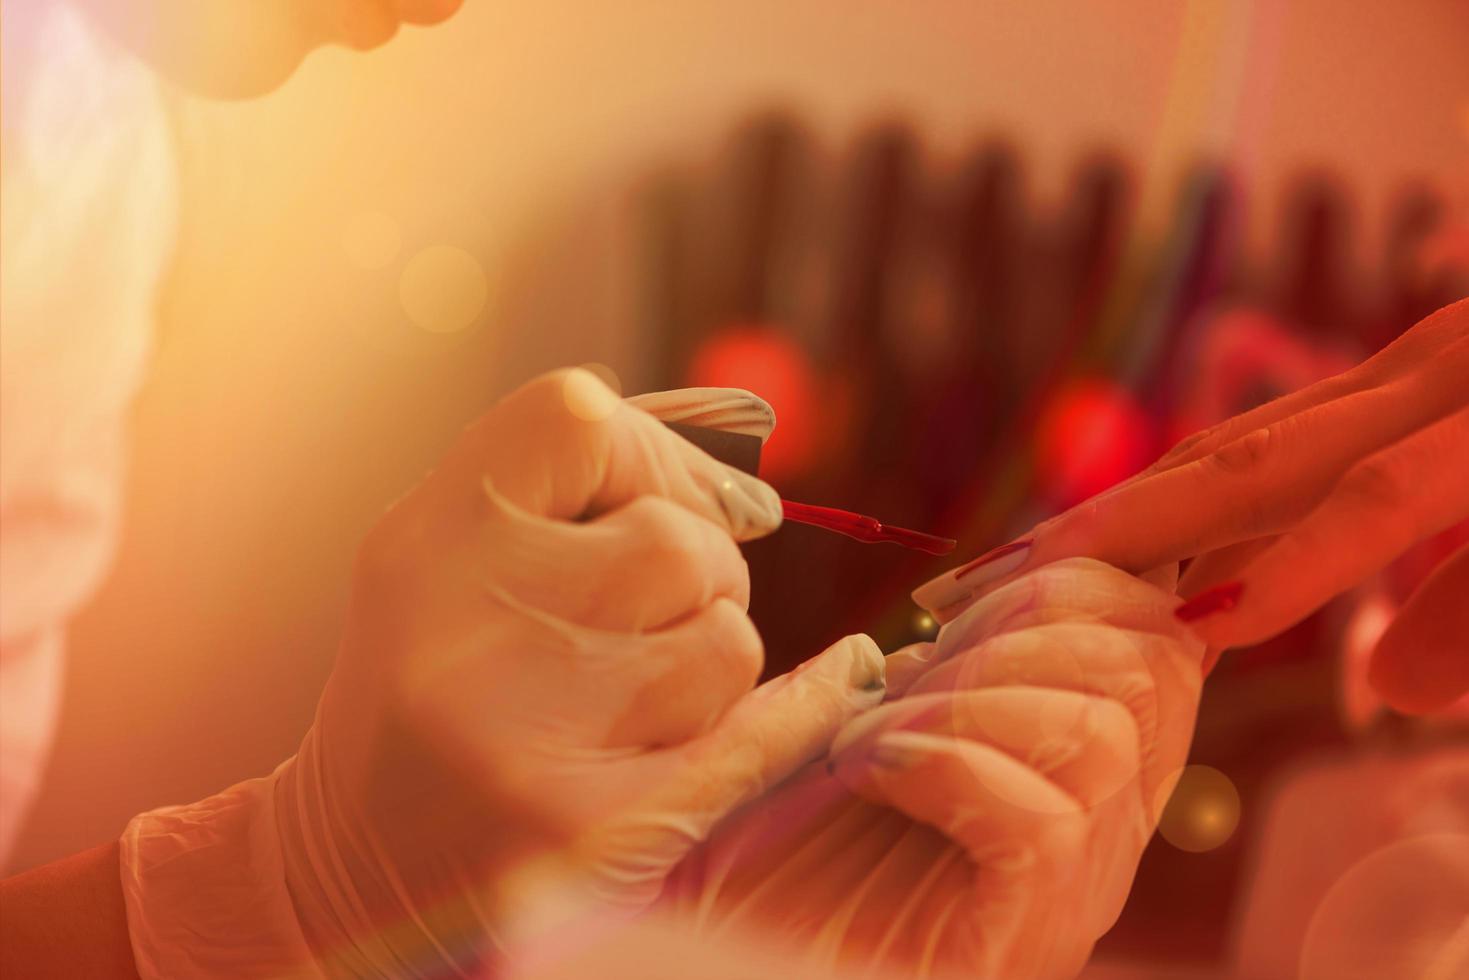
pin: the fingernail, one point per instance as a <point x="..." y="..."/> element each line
<point x="868" y="672"/>
<point x="751" y="506"/>
<point x="1218" y="598"/>
<point x="725" y="409"/>
<point x="898" y="750"/>
<point x="958" y="585"/>
<point x="994" y="564"/>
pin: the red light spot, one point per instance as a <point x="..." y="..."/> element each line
<point x="1092" y="435"/>
<point x="775" y="368"/>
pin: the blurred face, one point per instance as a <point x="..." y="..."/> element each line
<point x="240" y="48"/>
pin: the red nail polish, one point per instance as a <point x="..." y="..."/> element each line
<point x="995" y="555"/>
<point x="864" y="528"/>
<point x="1219" y="598"/>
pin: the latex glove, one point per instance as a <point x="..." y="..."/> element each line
<point x="542" y="701"/>
<point x="1291" y="504"/>
<point x="989" y="819"/>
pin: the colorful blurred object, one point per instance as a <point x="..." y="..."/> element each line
<point x="770" y="363"/>
<point x="1092" y="434"/>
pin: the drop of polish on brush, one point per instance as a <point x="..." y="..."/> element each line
<point x="865" y="529"/>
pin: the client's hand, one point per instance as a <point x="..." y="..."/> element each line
<point x="1287" y="505"/>
<point x="542" y="702"/>
<point x="989" y="820"/>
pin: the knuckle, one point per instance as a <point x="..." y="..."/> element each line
<point x="1246" y="456"/>
<point x="1114" y="729"/>
<point x="735" y="641"/>
<point x="1068" y="583"/>
<point x="561" y="406"/>
<point x="1061" y="839"/>
<point x="667" y="535"/>
<point x="541" y="397"/>
<point x="1375" y="485"/>
<point x="1067" y="570"/>
<point x="1046" y="586"/>
<point x="1184" y="446"/>
<point x="685" y="547"/>
<point x="1138" y="696"/>
<point x="545" y="391"/>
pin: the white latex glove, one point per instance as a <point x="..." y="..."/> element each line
<point x="542" y="702"/>
<point x="987" y="821"/>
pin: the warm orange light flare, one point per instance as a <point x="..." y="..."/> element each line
<point x="1091" y="436"/>
<point x="778" y="370"/>
<point x="1202" y="811"/>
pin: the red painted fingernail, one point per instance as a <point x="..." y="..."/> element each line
<point x="1219" y="598"/>
<point x="952" y="591"/>
<point x="989" y="557"/>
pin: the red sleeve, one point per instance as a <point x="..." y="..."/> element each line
<point x="66" y="920"/>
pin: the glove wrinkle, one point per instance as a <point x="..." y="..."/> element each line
<point x="725" y="409"/>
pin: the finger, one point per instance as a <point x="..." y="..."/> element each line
<point x="1223" y="565"/>
<point x="679" y="681"/>
<point x="1156" y="678"/>
<point x="726" y="409"/>
<point x="637" y="568"/>
<point x="1086" y="744"/>
<point x="564" y="446"/>
<point x="1024" y="835"/>
<point x="907" y="665"/>
<point x="1074" y="588"/>
<point x="1258" y="484"/>
<point x="1385" y="504"/>
<point x="1254" y="485"/>
<point x="1216" y="567"/>
<point x="768" y="735"/>
<point x="1421" y="663"/>
<point x="1398" y="359"/>
<point x="936" y="778"/>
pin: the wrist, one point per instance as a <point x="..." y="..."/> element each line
<point x="204" y="885"/>
<point x="361" y="909"/>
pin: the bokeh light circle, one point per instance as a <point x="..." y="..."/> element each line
<point x="777" y="369"/>
<point x="371" y="239"/>
<point x="1091" y="435"/>
<point x="1198" y="809"/>
<point x="1403" y="911"/>
<point x="443" y="289"/>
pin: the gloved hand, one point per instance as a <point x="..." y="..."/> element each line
<point x="989" y="818"/>
<point x="542" y="702"/>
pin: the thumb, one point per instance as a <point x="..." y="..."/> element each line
<point x="566" y="447"/>
<point x="1419" y="665"/>
<point x="771" y="732"/>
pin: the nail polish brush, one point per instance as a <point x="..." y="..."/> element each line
<point x="742" y="451"/>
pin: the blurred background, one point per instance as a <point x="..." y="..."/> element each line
<point x="985" y="259"/>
